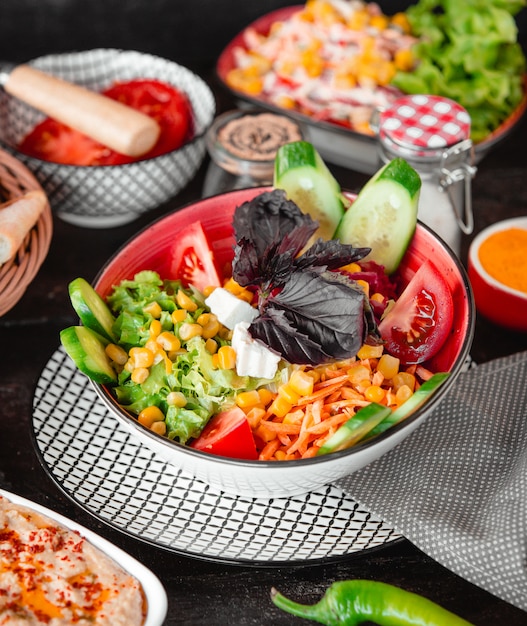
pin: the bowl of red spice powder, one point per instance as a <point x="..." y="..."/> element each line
<point x="497" y="269"/>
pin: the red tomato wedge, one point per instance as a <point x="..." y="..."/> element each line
<point x="193" y="260"/>
<point x="416" y="327"/>
<point x="166" y="104"/>
<point x="228" y="434"/>
<point x="55" y="142"/>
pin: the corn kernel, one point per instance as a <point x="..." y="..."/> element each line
<point x="388" y="365"/>
<point x="233" y="287"/>
<point x="211" y="346"/>
<point x="266" y="396"/>
<point x="302" y="383"/>
<point x="140" y="374"/>
<point x="314" y="374"/>
<point x="247" y="399"/>
<point x="379" y="21"/>
<point x="255" y="416"/>
<point x="225" y="333"/>
<point x="204" y="319"/>
<point x="155" y="328"/>
<point x="358" y="373"/>
<point x="377" y="297"/>
<point x="176" y="398"/>
<point x="208" y="290"/>
<point x="358" y="20"/>
<point x="226" y="358"/>
<point x="211" y="328"/>
<point x="265" y="434"/>
<point x="141" y="357"/>
<point x="404" y="60"/>
<point x="116" y="354"/>
<point x="403" y="394"/>
<point x="401" y="21"/>
<point x="154" y="348"/>
<point x="352" y="268"/>
<point x="294" y="417"/>
<point x="374" y="393"/>
<point x="154" y="309"/>
<point x="403" y="378"/>
<point x="149" y="415"/>
<point x="280" y="455"/>
<point x="280" y="406"/>
<point x="364" y="285"/>
<point x="188" y="330"/>
<point x="185" y="302"/>
<point x="246" y="296"/>
<point x="168" y="341"/>
<point x="160" y="428"/>
<point x="178" y="316"/>
<point x="288" y="394"/>
<point x="370" y="352"/>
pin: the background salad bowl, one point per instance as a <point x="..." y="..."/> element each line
<point x="100" y="196"/>
<point x="150" y="249"/>
<point x="337" y="142"/>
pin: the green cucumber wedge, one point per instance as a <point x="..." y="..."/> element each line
<point x="91" y="308"/>
<point x="412" y="404"/>
<point x="301" y="172"/>
<point x="383" y="217"/>
<point x="86" y="349"/>
<point x="356" y="428"/>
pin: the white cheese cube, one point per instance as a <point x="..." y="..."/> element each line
<point x="229" y="309"/>
<point x="252" y="357"/>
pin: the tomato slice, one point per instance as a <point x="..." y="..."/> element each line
<point x="193" y="260"/>
<point x="228" y="434"/>
<point x="55" y="142"/>
<point x="417" y="325"/>
<point x="167" y="105"/>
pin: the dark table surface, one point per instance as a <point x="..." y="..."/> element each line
<point x="201" y="591"/>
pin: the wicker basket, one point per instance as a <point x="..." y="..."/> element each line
<point x="19" y="271"/>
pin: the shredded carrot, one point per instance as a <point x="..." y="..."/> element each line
<point x="269" y="449"/>
<point x="337" y="395"/>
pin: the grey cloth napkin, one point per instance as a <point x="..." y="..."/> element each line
<point x="457" y="486"/>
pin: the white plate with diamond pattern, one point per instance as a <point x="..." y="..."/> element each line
<point x="103" y="469"/>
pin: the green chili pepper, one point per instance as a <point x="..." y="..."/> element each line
<point x="352" y="602"/>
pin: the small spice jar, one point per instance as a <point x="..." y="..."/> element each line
<point x="242" y="146"/>
<point x="433" y="134"/>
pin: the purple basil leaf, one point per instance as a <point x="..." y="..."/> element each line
<point x="327" y="309"/>
<point x="268" y="218"/>
<point x="276" y="331"/>
<point x="270" y="231"/>
<point x="330" y="254"/>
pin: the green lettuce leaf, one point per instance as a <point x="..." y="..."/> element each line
<point x="468" y="52"/>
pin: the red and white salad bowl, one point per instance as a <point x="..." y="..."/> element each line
<point x="152" y="248"/>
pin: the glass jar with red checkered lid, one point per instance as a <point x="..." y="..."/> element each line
<point x="433" y="134"/>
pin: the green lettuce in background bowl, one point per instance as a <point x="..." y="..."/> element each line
<point x="468" y="52"/>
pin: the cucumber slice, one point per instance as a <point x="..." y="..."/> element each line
<point x="86" y="349"/>
<point x="355" y="428"/>
<point x="303" y="175"/>
<point x="91" y="308"/>
<point x="412" y="404"/>
<point x="384" y="214"/>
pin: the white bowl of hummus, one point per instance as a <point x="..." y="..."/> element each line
<point x="54" y="570"/>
